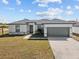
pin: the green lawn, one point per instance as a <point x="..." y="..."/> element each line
<point x="18" y="48"/>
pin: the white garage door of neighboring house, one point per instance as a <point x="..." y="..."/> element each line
<point x="58" y="31"/>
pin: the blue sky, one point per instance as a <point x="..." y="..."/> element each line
<point x="13" y="10"/>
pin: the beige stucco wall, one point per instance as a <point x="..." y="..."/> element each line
<point x="23" y="29"/>
<point x="11" y="28"/>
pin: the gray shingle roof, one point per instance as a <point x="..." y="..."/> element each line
<point x="41" y="21"/>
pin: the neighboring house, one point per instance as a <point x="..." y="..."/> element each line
<point x="0" y="24"/>
<point x="76" y="28"/>
<point x="51" y="28"/>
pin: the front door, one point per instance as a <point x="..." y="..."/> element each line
<point x="31" y="28"/>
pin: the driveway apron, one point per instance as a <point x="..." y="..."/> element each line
<point x="64" y="48"/>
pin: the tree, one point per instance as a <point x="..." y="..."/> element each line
<point x="2" y="26"/>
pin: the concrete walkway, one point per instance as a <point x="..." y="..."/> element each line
<point x="64" y="48"/>
<point x="27" y="36"/>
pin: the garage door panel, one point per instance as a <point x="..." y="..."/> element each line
<point x="58" y="31"/>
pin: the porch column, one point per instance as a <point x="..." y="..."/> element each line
<point x="45" y="31"/>
<point x="28" y="29"/>
<point x="70" y="31"/>
<point x="34" y="28"/>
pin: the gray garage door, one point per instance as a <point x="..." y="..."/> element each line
<point x="58" y="32"/>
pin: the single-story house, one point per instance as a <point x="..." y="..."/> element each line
<point x="51" y="28"/>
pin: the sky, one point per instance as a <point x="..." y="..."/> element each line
<point x="14" y="10"/>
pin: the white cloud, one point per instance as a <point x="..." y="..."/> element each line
<point x="55" y="11"/>
<point x="77" y="0"/>
<point x="47" y="1"/>
<point x="50" y="12"/>
<point x="5" y="1"/>
<point x="76" y="7"/>
<point x="29" y="11"/>
<point x="42" y="5"/>
<point x="18" y="2"/>
<point x="21" y="10"/>
<point x="59" y="17"/>
<point x="69" y="12"/>
<point x="42" y="14"/>
<point x="10" y="8"/>
<point x="69" y="7"/>
<point x="25" y="11"/>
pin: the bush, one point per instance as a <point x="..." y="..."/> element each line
<point x="39" y="31"/>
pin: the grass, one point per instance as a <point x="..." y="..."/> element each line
<point x="18" y="48"/>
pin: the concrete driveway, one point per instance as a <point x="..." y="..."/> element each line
<point x="27" y="36"/>
<point x="64" y="48"/>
